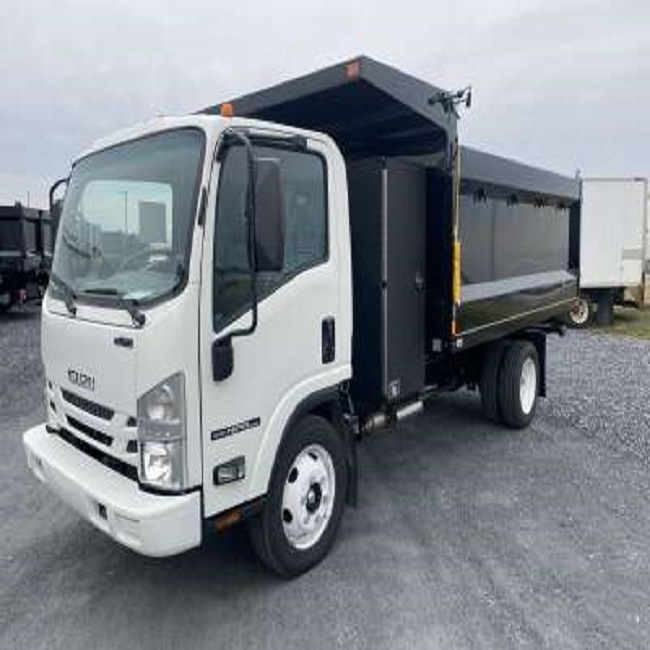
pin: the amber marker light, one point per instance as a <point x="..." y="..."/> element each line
<point x="227" y="110"/>
<point x="353" y="69"/>
<point x="228" y="520"/>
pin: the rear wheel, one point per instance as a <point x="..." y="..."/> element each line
<point x="519" y="384"/>
<point x="305" y="502"/>
<point x="489" y="383"/>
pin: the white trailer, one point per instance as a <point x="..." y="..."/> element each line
<point x="646" y="283"/>
<point x="612" y="247"/>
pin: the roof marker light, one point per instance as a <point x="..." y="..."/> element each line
<point x="353" y="69"/>
<point x="227" y="110"/>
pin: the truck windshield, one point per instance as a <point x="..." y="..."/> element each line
<point x="125" y="228"/>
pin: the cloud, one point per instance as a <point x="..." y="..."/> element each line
<point x="561" y="84"/>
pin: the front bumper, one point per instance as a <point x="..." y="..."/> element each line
<point x="151" y="524"/>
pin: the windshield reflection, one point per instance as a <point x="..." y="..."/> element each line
<point x="126" y="223"/>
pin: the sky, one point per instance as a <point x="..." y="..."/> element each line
<point x="563" y="84"/>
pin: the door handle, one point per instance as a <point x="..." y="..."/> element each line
<point x="419" y="282"/>
<point x="328" y="339"/>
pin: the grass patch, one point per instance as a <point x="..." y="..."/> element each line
<point x="630" y="322"/>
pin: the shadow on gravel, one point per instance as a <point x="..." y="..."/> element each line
<point x="76" y="556"/>
<point x="225" y="564"/>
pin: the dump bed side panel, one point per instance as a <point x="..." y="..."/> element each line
<point x="519" y="265"/>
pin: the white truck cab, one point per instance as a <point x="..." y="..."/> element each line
<point x="154" y="223"/>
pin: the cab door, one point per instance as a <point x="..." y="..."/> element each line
<point x="284" y="359"/>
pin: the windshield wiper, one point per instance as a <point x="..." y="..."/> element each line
<point x="69" y="295"/>
<point x="127" y="304"/>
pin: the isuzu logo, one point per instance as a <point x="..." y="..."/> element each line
<point x="81" y="379"/>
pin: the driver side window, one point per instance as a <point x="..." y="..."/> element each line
<point x="304" y="179"/>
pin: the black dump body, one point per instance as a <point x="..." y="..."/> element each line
<point x="519" y="229"/>
<point x="26" y="243"/>
<point x="518" y="226"/>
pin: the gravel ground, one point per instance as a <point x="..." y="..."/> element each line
<point x="467" y="535"/>
<point x="600" y="385"/>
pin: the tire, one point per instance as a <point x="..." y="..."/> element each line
<point x="279" y="534"/>
<point x="489" y="382"/>
<point x="519" y="384"/>
<point x="582" y="314"/>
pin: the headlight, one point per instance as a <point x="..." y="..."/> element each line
<point x="161" y="435"/>
<point x="162" y="404"/>
<point x="162" y="464"/>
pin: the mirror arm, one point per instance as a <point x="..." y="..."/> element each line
<point x="55" y="187"/>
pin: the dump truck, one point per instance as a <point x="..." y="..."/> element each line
<point x="25" y="254"/>
<point x="240" y="295"/>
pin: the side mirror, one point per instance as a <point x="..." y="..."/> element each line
<point x="56" y="205"/>
<point x="269" y="215"/>
<point x="222" y="359"/>
<point x="55" y="217"/>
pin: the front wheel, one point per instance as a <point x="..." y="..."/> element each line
<point x="305" y="502"/>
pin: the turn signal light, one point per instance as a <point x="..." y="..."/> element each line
<point x="229" y="519"/>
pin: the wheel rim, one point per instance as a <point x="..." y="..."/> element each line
<point x="308" y="497"/>
<point x="528" y="385"/>
<point x="580" y="312"/>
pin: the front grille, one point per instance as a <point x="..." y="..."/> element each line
<point x="84" y="404"/>
<point x="129" y="471"/>
<point x="100" y="437"/>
